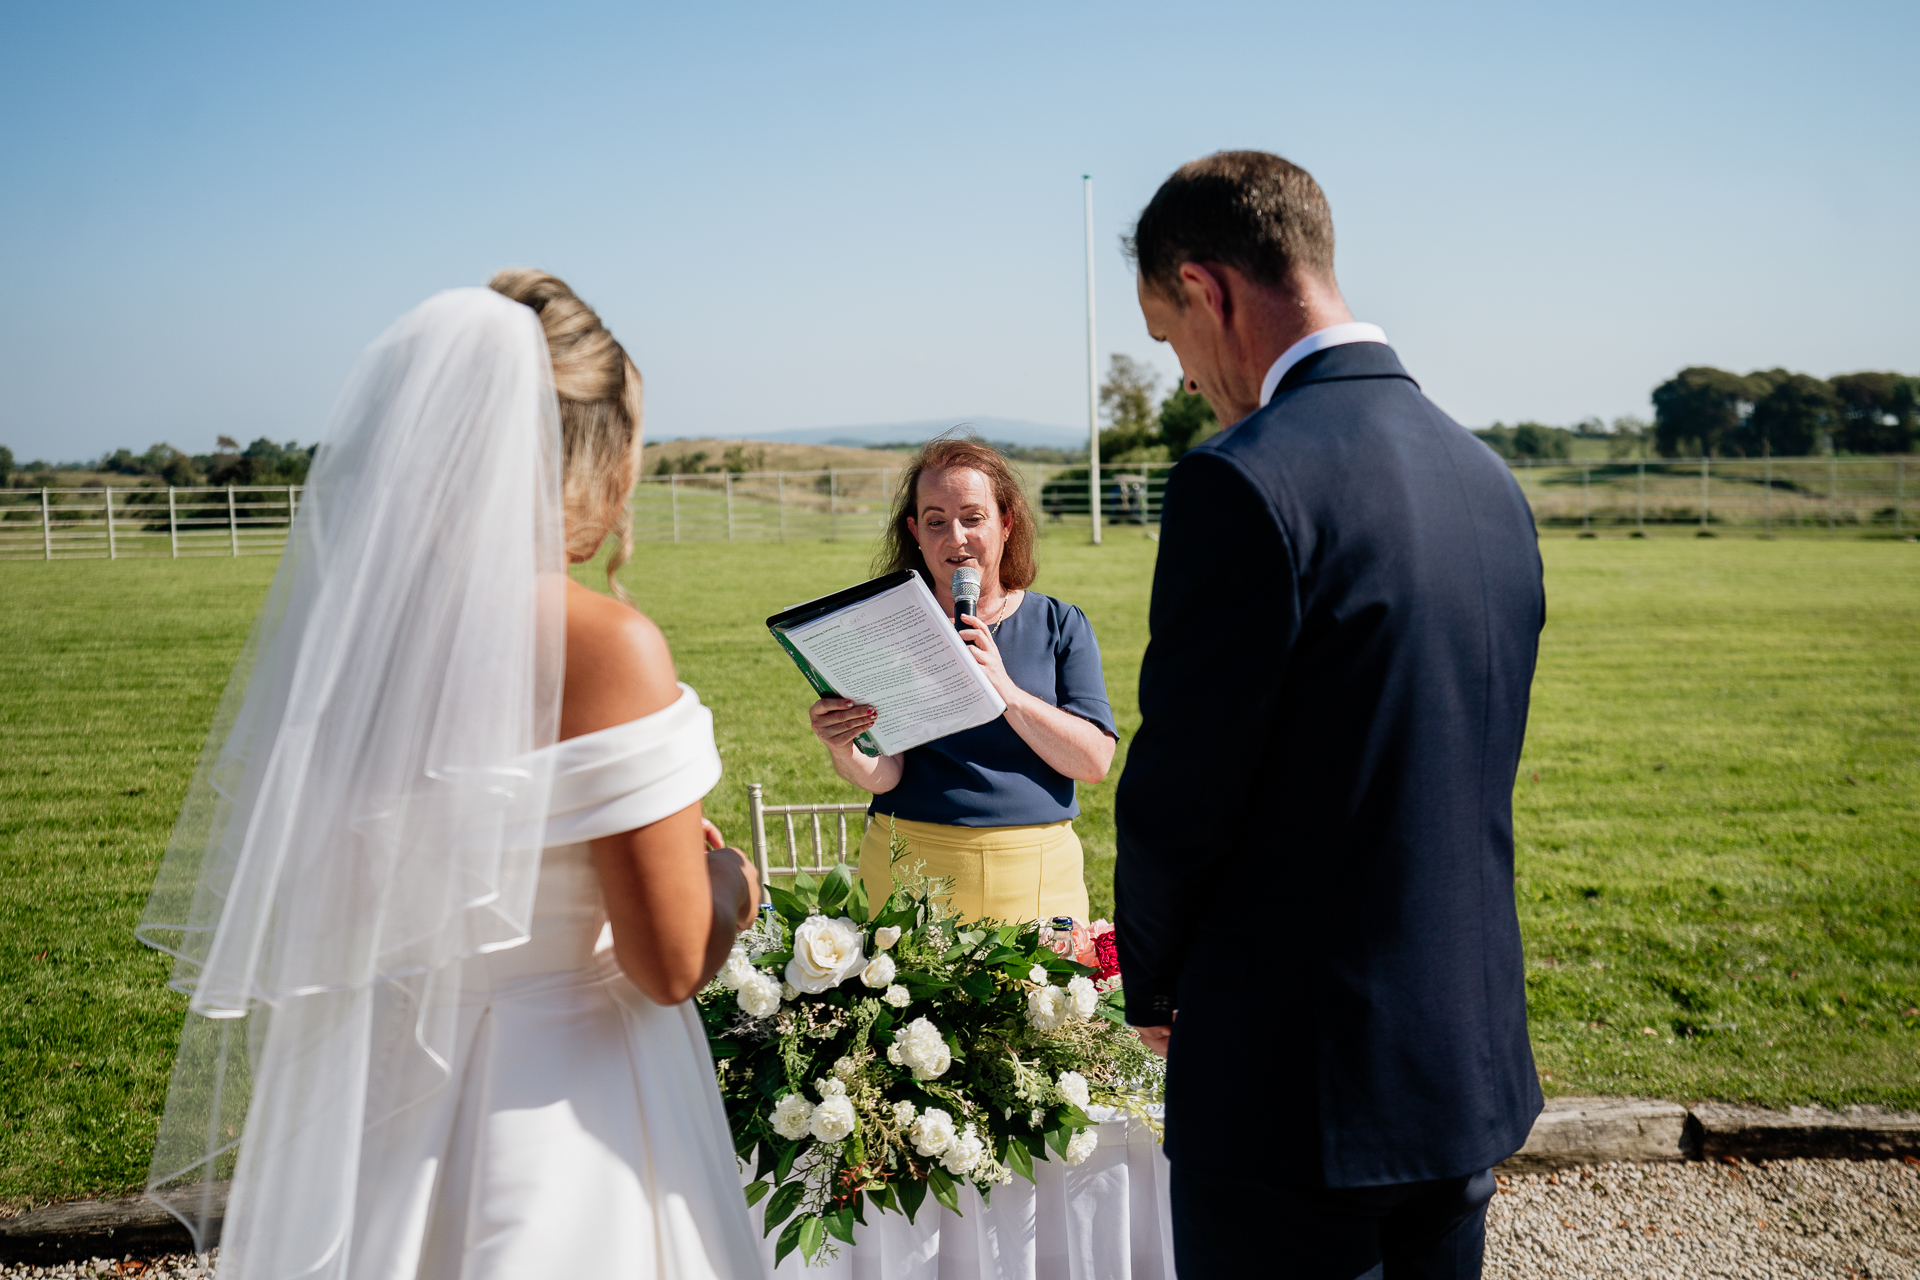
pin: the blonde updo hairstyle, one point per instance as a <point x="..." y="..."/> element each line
<point x="599" y="391"/>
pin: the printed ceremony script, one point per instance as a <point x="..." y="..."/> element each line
<point x="889" y="644"/>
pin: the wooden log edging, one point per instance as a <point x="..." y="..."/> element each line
<point x="78" y="1230"/>
<point x="1569" y="1133"/>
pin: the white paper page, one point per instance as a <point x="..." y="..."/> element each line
<point x="899" y="652"/>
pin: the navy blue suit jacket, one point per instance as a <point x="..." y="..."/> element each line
<point x="1315" y="822"/>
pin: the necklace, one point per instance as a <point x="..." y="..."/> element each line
<point x="993" y="628"/>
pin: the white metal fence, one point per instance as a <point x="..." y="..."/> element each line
<point x="1699" y="495"/>
<point x="114" y="523"/>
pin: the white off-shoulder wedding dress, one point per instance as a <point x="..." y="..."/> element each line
<point x="581" y="1134"/>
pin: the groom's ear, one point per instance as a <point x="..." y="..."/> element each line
<point x="1209" y="288"/>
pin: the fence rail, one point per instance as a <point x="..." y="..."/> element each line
<point x="118" y="524"/>
<point x="1705" y="496"/>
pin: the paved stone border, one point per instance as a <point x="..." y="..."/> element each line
<point x="1571" y="1132"/>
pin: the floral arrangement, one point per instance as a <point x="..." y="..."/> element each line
<point x="870" y="1055"/>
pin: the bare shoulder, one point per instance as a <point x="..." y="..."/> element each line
<point x="618" y="664"/>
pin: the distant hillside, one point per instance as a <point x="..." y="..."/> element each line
<point x="696" y="456"/>
<point x="1012" y="430"/>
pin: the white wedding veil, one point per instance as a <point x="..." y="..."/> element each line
<point x="369" y="807"/>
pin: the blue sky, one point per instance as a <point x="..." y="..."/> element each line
<point x="848" y="213"/>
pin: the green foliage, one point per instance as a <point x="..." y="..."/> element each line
<point x="1126" y="400"/>
<point x="1185" y="420"/>
<point x="1708" y="410"/>
<point x="6" y="463"/>
<point x="1528" y="440"/>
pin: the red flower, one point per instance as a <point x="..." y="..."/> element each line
<point x="1107" y="948"/>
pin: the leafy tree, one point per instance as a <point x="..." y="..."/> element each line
<point x="1126" y="400"/>
<point x="1793" y="418"/>
<point x="6" y="463"/>
<point x="1697" y="409"/>
<point x="1877" y="412"/>
<point x="1185" y="420"/>
<point x="1528" y="440"/>
<point x="1629" y="437"/>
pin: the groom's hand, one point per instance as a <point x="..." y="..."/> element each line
<point x="1156" y="1038"/>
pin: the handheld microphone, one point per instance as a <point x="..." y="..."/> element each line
<point x="965" y="586"/>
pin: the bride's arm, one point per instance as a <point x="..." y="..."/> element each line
<point x="675" y="906"/>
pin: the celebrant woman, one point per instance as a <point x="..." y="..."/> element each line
<point x="442" y="887"/>
<point x="991" y="807"/>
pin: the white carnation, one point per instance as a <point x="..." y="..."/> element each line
<point x="1073" y="1087"/>
<point x="893" y="1054"/>
<point x="922" y="1050"/>
<point x="1085" y="998"/>
<point x="896" y="995"/>
<point x="965" y="1153"/>
<point x="1081" y="1145"/>
<point x="826" y="952"/>
<point x="759" y="996"/>
<point x="883" y="939"/>
<point x="736" y="971"/>
<point x="833" y="1119"/>
<point x="791" y="1116"/>
<point x="1047" y="1008"/>
<point x="1039" y="976"/>
<point x="879" y="971"/>
<point x="903" y="1114"/>
<point x="932" y="1132"/>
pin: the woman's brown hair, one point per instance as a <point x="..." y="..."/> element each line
<point x="899" y="551"/>
<point x="599" y="391"/>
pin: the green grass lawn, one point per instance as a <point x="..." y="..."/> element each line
<point x="1717" y="820"/>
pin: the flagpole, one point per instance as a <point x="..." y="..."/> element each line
<point x="1093" y="378"/>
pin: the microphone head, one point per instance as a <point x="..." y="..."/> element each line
<point x="965" y="584"/>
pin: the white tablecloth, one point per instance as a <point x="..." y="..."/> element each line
<point x="1108" y="1219"/>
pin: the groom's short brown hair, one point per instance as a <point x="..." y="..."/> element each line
<point x="1249" y="210"/>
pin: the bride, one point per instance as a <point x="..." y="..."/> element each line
<point x="441" y="886"/>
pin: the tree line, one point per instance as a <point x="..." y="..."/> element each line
<point x="261" y="463"/>
<point x="1703" y="410"/>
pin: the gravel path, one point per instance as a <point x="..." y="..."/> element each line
<point x="1783" y="1218"/>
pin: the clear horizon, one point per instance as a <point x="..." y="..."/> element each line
<point x="869" y="216"/>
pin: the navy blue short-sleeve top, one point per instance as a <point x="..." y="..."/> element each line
<point x="987" y="776"/>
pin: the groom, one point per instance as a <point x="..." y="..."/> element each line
<point x="1315" y="878"/>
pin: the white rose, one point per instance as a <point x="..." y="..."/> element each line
<point x="896" y="995"/>
<point x="789" y="992"/>
<point x="878" y="973"/>
<point x="826" y="952"/>
<point x="893" y="1054"/>
<point x="831" y="1088"/>
<point x="845" y="1067"/>
<point x="833" y="1119"/>
<point x="1073" y="1087"/>
<point x="1085" y="998"/>
<point x="923" y="1050"/>
<point x="759" y="996"/>
<point x="903" y="1114"/>
<point x="736" y="971"/>
<point x="883" y="939"/>
<point x="964" y="1154"/>
<point x="932" y="1133"/>
<point x="791" y="1115"/>
<point x="1039" y="976"/>
<point x="1047" y="1008"/>
<point x="1081" y="1145"/>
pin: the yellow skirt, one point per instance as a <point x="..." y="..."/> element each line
<point x="998" y="873"/>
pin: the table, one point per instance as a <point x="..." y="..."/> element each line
<point x="1107" y="1219"/>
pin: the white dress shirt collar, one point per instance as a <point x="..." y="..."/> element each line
<point x="1334" y="335"/>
